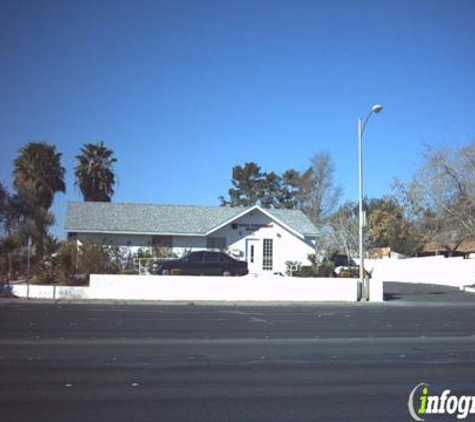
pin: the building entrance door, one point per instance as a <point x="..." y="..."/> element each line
<point x="253" y="256"/>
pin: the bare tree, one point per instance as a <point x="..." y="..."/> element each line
<point x="442" y="196"/>
<point x="340" y="233"/>
<point x="318" y="196"/>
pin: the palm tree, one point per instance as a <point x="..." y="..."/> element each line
<point x="38" y="173"/>
<point x="94" y="173"/>
<point x="6" y="242"/>
<point x="4" y="208"/>
<point x="8" y="246"/>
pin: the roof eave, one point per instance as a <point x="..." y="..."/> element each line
<point x="247" y="211"/>
<point x="89" y="231"/>
<point x="229" y="220"/>
<point x="295" y="232"/>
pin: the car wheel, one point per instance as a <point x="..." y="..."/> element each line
<point x="165" y="271"/>
<point x="227" y="273"/>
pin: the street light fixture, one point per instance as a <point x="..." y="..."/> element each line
<point x="361" y="127"/>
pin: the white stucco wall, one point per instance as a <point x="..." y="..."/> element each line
<point x="456" y="272"/>
<point x="188" y="288"/>
<point x="49" y="292"/>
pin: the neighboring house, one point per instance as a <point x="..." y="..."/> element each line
<point x="465" y="249"/>
<point x="380" y="253"/>
<point x="265" y="238"/>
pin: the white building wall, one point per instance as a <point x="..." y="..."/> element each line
<point x="252" y="228"/>
<point x="256" y="227"/>
<point x="188" y="243"/>
<point x="113" y="239"/>
<point x="180" y="245"/>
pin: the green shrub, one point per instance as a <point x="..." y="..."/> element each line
<point x="46" y="272"/>
<point x="71" y="265"/>
<point x="325" y="269"/>
<point x="316" y="269"/>
<point x="97" y="259"/>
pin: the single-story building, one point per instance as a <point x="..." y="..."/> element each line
<point x="465" y="248"/>
<point x="265" y="238"/>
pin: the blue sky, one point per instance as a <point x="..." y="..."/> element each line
<point x="184" y="90"/>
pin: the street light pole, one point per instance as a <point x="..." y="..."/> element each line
<point x="360" y="212"/>
<point x="364" y="282"/>
<point x="28" y="267"/>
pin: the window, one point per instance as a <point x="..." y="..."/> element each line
<point x="267" y="254"/>
<point x="216" y="243"/>
<point x="211" y="257"/>
<point x="196" y="257"/>
<point x="162" y="241"/>
<point x="223" y="259"/>
<point x="252" y="254"/>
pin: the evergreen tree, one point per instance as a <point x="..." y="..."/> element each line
<point x="247" y="182"/>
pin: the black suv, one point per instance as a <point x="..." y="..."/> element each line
<point x="203" y="263"/>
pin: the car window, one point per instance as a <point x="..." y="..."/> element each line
<point x="196" y="257"/>
<point x="223" y="258"/>
<point x="211" y="257"/>
<point x="341" y="261"/>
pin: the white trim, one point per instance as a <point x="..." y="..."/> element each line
<point x="290" y="229"/>
<point x="220" y="226"/>
<point x="257" y="207"/>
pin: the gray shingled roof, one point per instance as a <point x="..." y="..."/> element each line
<point x="165" y="219"/>
<point x="297" y="220"/>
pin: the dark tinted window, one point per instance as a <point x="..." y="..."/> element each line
<point x="343" y="261"/>
<point x="224" y="258"/>
<point x="211" y="257"/>
<point x="196" y="257"/>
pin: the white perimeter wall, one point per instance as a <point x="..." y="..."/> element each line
<point x="48" y="292"/>
<point x="456" y="272"/>
<point x="188" y="288"/>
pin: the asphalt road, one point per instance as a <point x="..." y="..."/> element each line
<point x="110" y="362"/>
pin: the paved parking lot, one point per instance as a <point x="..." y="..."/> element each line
<point x="427" y="293"/>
